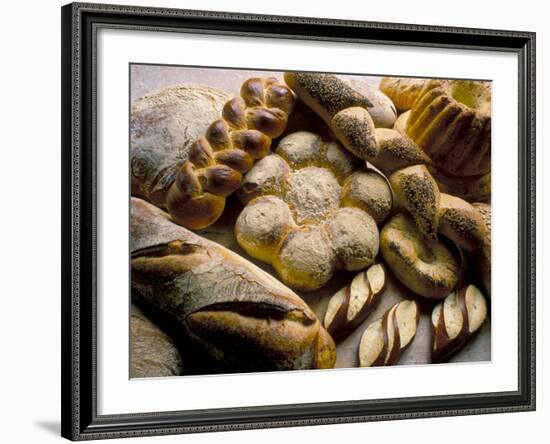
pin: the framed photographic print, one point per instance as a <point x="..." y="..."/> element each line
<point x="277" y="221"/>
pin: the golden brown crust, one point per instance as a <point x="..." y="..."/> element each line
<point x="228" y="149"/>
<point x="163" y="126"/>
<point x="451" y="122"/>
<point x="237" y="312"/>
<point x="330" y="204"/>
<point x="417" y="190"/>
<point x="403" y="91"/>
<point x="425" y="266"/>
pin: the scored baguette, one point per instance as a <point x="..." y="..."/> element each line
<point x="238" y="313"/>
<point x="455" y="320"/>
<point x="385" y="339"/>
<point x="352" y="304"/>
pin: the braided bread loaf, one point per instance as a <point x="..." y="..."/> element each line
<point x="228" y="149"/>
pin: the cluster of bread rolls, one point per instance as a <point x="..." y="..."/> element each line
<point x="310" y="211"/>
<point x="353" y="184"/>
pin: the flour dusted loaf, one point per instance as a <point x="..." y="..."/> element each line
<point x="227" y="150"/>
<point x="163" y="126"/>
<point x="152" y="352"/>
<point x="239" y="314"/>
<point x="310" y="211"/>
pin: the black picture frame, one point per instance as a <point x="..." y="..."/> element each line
<point x="79" y="171"/>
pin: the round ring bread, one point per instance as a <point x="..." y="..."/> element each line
<point x="403" y="91"/>
<point x="451" y="122"/>
<point x="425" y="266"/>
<point x="310" y="211"/>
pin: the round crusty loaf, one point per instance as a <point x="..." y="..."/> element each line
<point x="163" y="125"/>
<point x="238" y="313"/>
<point x="425" y="266"/>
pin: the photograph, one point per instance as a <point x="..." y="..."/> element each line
<point x="296" y="220"/>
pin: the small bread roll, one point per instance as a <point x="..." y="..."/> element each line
<point x="354" y="235"/>
<point x="321" y="213"/>
<point x="369" y="191"/>
<point x="455" y="320"/>
<point x="425" y="266"/>
<point x="383" y="110"/>
<point x="261" y="225"/>
<point x="305" y="258"/>
<point x="385" y="339"/>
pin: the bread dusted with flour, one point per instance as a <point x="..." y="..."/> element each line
<point x="309" y="211"/>
<point x="163" y="125"/>
<point x="239" y="314"/>
<point x="228" y="149"/>
<point x="152" y="352"/>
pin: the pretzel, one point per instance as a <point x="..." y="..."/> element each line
<point x="228" y="149"/>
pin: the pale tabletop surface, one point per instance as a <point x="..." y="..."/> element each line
<point x="145" y="78"/>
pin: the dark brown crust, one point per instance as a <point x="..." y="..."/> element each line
<point x="395" y="352"/>
<point x="443" y="347"/>
<point x="340" y="327"/>
<point x="214" y="170"/>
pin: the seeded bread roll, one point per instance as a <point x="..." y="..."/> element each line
<point x="239" y="314"/>
<point x="416" y="190"/>
<point x="163" y="126"/>
<point x="481" y="259"/>
<point x="425" y="266"/>
<point x="152" y="352"/>
<point x="343" y="108"/>
<point x="309" y="211"/>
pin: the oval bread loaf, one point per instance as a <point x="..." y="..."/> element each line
<point x="238" y="313"/>
<point x="163" y="126"/>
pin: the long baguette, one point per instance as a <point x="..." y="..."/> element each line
<point x="241" y="315"/>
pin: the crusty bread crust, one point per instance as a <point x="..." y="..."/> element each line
<point x="240" y="314"/>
